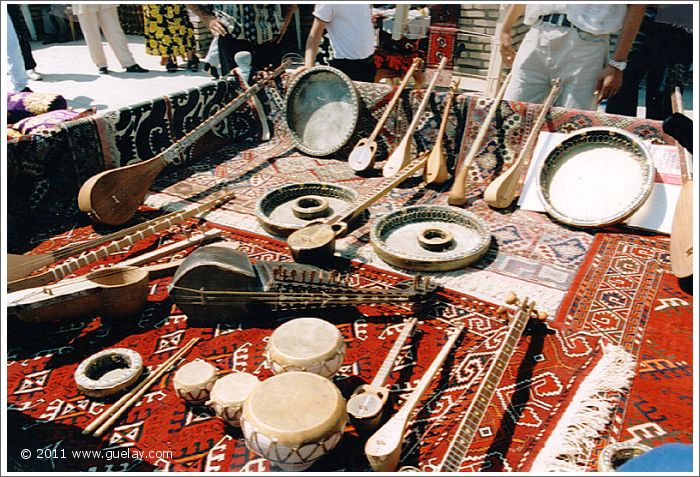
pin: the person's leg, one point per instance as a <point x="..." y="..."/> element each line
<point x="23" y="35"/>
<point x="530" y="80"/>
<point x="93" y="39"/>
<point x="15" y="63"/>
<point x="625" y="102"/>
<point x="109" y="22"/>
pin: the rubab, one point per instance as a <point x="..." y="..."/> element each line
<point x="316" y="241"/>
<point x="112" y="197"/>
<point x="458" y="448"/>
<point x="140" y="232"/>
<point x="458" y="192"/>
<point x="362" y="156"/>
<point x="114" y="292"/>
<point x="501" y="191"/>
<point x="682" y="225"/>
<point x="383" y="448"/>
<point x="367" y="402"/>
<point x="402" y="154"/>
<point x="436" y="168"/>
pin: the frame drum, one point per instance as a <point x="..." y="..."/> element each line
<point x="293" y="419"/>
<point x="194" y="380"/>
<point x="108" y="372"/>
<point x="322" y="109"/>
<point x="228" y="395"/>
<point x="306" y="344"/>
<point x="596" y="177"/>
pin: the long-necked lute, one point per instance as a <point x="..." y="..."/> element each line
<point x="367" y="401"/>
<point x="401" y="156"/>
<point x="459" y="446"/>
<point x="458" y="192"/>
<point x="113" y="292"/>
<point x="362" y="156"/>
<point x="383" y="449"/>
<point x="682" y="225"/>
<point x="436" y="168"/>
<point x="218" y="283"/>
<point x="142" y="231"/>
<point x="112" y="197"/>
<point x="501" y="191"/>
<point x="316" y="241"/>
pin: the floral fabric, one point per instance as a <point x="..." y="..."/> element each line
<point x="49" y="120"/>
<point x="168" y="30"/>
<point x="23" y="105"/>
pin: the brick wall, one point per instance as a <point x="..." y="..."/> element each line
<point x="473" y="51"/>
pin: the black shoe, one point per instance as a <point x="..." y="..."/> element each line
<point x="135" y="68"/>
<point x="193" y="64"/>
<point x="103" y="70"/>
<point x="171" y="66"/>
<point x="211" y="70"/>
<point x="26" y="90"/>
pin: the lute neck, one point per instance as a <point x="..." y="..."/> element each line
<point x="389" y="361"/>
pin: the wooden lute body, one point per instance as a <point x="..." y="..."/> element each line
<point x="112" y="197"/>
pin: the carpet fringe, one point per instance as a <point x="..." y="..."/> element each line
<point x="588" y="415"/>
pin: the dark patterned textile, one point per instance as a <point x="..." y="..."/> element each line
<point x="23" y="105"/>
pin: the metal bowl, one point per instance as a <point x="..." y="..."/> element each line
<point x="322" y="108"/>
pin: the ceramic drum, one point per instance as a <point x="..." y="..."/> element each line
<point x="596" y="177"/>
<point x="322" y="109"/>
<point x="228" y="395"/>
<point x="306" y="344"/>
<point x="293" y="419"/>
<point x="108" y="372"/>
<point x="194" y="380"/>
<point x="430" y="238"/>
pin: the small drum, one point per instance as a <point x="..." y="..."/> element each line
<point x="614" y="455"/>
<point x="322" y="109"/>
<point x="306" y="344"/>
<point x="194" y="380"/>
<point x="108" y="372"/>
<point x="228" y="395"/>
<point x="293" y="419"/>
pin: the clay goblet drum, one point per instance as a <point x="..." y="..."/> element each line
<point x="306" y="344"/>
<point x="293" y="419"/>
<point x="194" y="380"/>
<point x="228" y="395"/>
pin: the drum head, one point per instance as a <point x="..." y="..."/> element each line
<point x="430" y="238"/>
<point x="304" y="340"/>
<point x="596" y="177"/>
<point x="233" y="388"/>
<point x="291" y="207"/>
<point x="322" y="108"/>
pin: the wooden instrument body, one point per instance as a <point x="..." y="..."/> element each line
<point x="502" y="190"/>
<point x="366" y="406"/>
<point x="20" y="266"/>
<point x="401" y="156"/>
<point x="112" y="197"/>
<point x="436" y="167"/>
<point x="458" y="193"/>
<point x="114" y="293"/>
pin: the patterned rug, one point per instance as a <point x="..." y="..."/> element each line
<point x="626" y="294"/>
<point x="47" y="412"/>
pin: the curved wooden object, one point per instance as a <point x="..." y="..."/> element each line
<point x="383" y="449"/>
<point x="144" y="230"/>
<point x="362" y="156"/>
<point x="682" y="225"/>
<point x="436" y="168"/>
<point x="112" y="197"/>
<point x="402" y="154"/>
<point x="501" y="191"/>
<point x="458" y="192"/>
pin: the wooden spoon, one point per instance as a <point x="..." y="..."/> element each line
<point x="501" y="192"/>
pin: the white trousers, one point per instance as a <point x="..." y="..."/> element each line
<point x="549" y="51"/>
<point x="15" y="62"/>
<point x="106" y="20"/>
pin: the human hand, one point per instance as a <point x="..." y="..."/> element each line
<point x="609" y="83"/>
<point x="507" y="51"/>
<point x="216" y="27"/>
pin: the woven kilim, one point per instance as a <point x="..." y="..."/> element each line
<point x="46" y="411"/>
<point x="626" y="293"/>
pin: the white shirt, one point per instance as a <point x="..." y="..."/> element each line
<point x="595" y="18"/>
<point x="349" y="28"/>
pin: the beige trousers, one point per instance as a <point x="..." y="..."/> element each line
<point x="106" y="20"/>
<point x="550" y="51"/>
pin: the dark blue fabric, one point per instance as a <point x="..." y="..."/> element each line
<point x="665" y="458"/>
